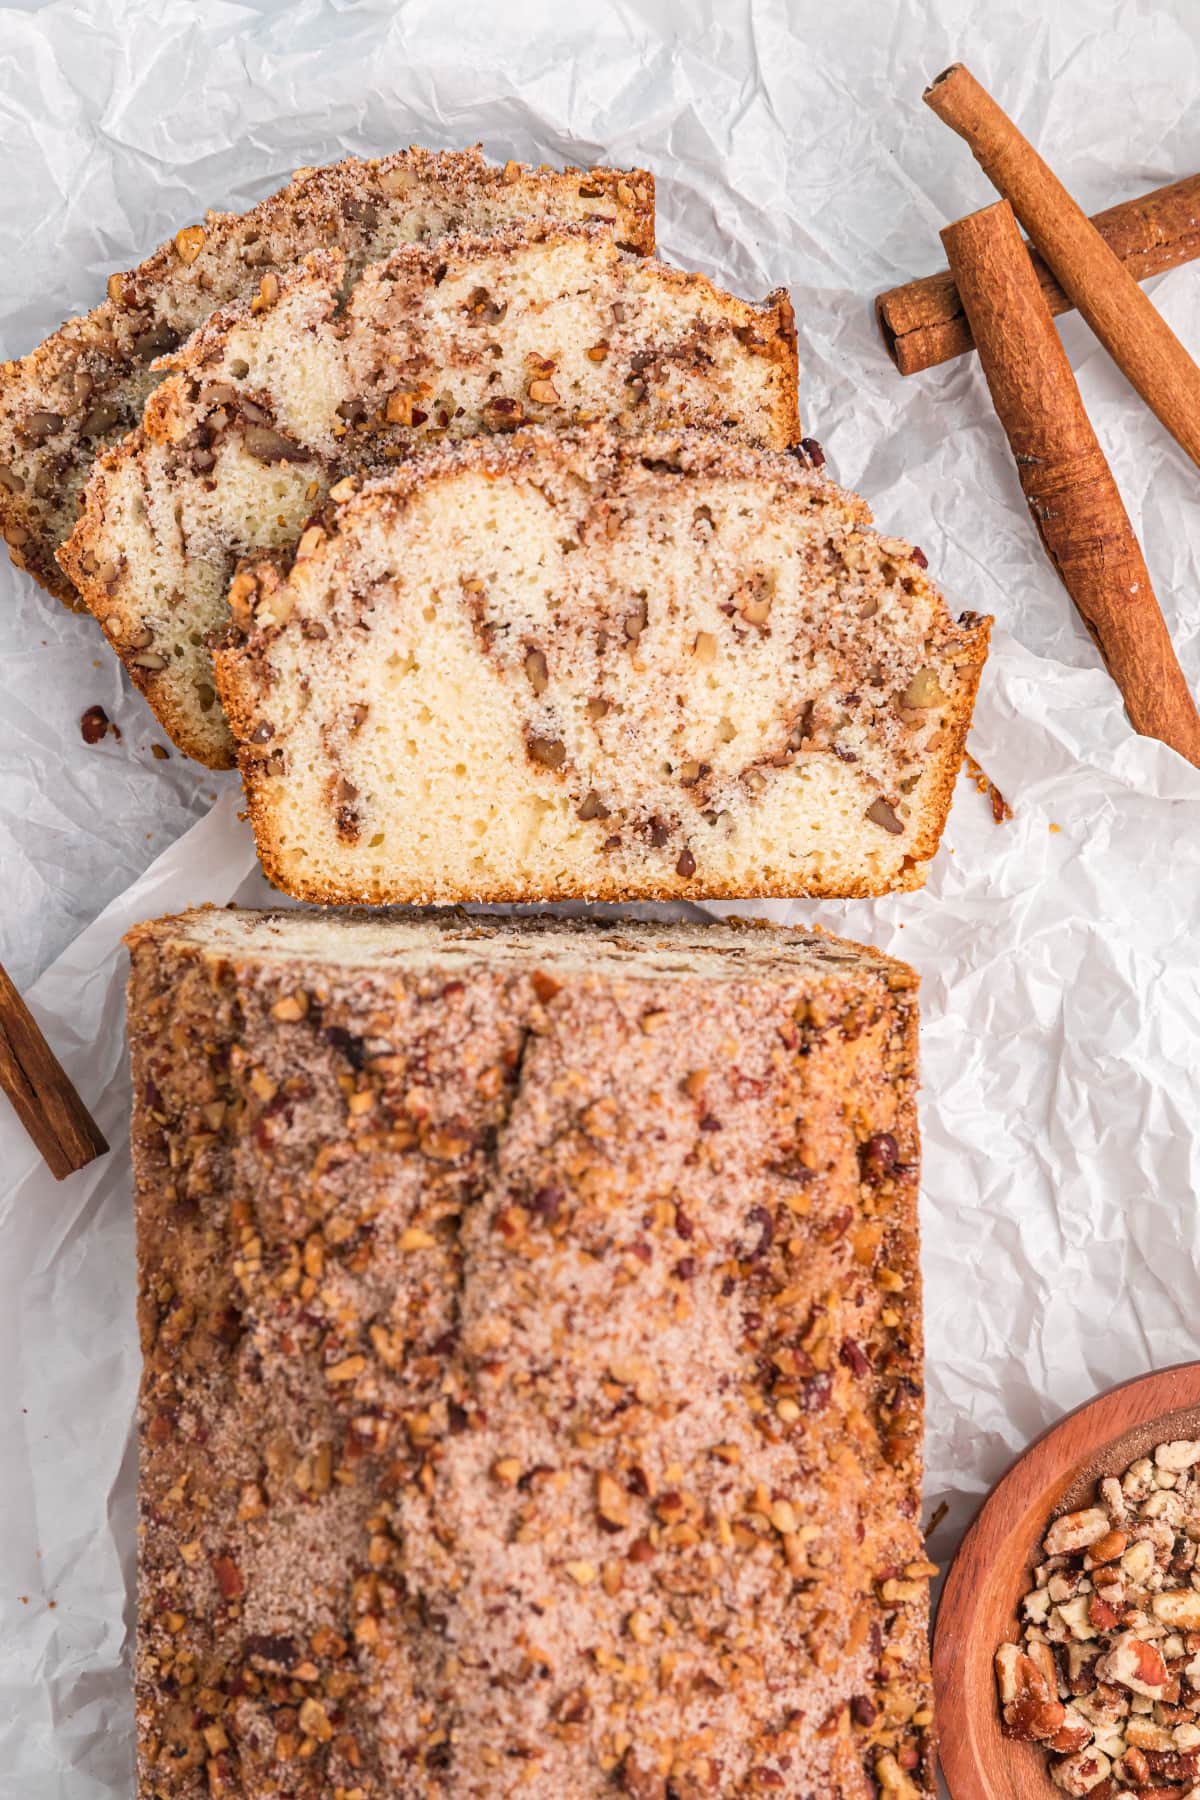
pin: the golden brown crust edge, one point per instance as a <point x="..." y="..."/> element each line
<point x="976" y="630"/>
<point x="783" y="349"/>
<point x="611" y="893"/>
<point x="91" y="595"/>
<point x="904" y="1380"/>
<point x="31" y="547"/>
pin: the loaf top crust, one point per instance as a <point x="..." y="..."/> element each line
<point x="278" y="395"/>
<point x="86" y="384"/>
<point x="532" y="1389"/>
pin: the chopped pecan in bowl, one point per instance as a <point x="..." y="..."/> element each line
<point x="1106" y="1674"/>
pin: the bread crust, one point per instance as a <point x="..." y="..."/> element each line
<point x="175" y="414"/>
<point x="100" y="364"/>
<point x="575" y="1264"/>
<point x="240" y="664"/>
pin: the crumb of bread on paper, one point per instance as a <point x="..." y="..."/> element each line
<point x="1001" y="810"/>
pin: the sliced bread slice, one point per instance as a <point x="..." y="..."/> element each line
<point x="86" y="384"/>
<point x="581" y="666"/>
<point x="274" y="398"/>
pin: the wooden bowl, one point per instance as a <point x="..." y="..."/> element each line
<point x="994" y="1566"/>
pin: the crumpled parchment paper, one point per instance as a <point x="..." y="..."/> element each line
<point x="1058" y="951"/>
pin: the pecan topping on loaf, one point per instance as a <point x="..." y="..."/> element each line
<point x="533" y="1386"/>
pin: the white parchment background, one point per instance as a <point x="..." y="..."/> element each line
<point x="1061" y="1002"/>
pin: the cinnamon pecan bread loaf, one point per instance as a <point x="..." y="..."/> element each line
<point x="532" y="1396"/>
<point x="86" y="384"/>
<point x="276" y="396"/>
<point x="576" y="666"/>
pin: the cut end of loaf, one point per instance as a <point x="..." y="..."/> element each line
<point x="439" y="942"/>
<point x="581" y="667"/>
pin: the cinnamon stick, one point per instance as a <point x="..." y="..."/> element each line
<point x="1125" y="320"/>
<point x="44" y="1100"/>
<point x="1067" y="482"/>
<point x="923" y="323"/>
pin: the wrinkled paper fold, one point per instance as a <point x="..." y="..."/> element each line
<point x="1061" y="1008"/>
